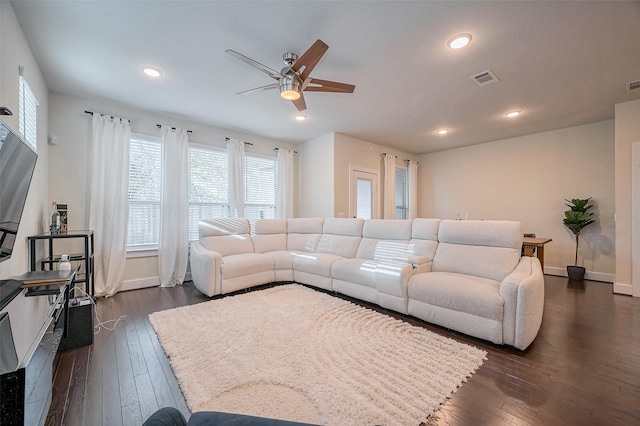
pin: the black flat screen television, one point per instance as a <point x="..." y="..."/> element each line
<point x="17" y="163"/>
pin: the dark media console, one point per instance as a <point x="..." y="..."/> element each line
<point x="26" y="385"/>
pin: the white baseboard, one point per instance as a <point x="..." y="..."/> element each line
<point x="140" y="283"/>
<point x="620" y="288"/>
<point x="589" y="275"/>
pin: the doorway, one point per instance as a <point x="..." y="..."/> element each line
<point x="364" y="193"/>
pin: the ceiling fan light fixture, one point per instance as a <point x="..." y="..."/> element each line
<point x="290" y="87"/>
<point x="301" y="117"/>
<point x="442" y="131"/>
<point x="513" y="114"/>
<point x="459" y="41"/>
<point x="290" y="95"/>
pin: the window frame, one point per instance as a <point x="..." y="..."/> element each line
<point x="403" y="208"/>
<point x="144" y="249"/>
<point x="27" y="113"/>
<point x="226" y="205"/>
<point x="272" y="207"/>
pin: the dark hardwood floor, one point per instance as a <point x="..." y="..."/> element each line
<point x="582" y="369"/>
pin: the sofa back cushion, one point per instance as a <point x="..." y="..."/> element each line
<point x="385" y="240"/>
<point x="341" y="236"/>
<point x="225" y="236"/>
<point x="487" y="249"/>
<point x="424" y="238"/>
<point x="303" y="234"/>
<point x="269" y="235"/>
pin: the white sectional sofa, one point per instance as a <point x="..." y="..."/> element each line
<point x="468" y="276"/>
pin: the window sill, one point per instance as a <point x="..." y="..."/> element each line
<point x="132" y="254"/>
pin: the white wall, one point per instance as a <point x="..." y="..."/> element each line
<point x="627" y="132"/>
<point x="27" y="314"/>
<point x="68" y="174"/>
<point x="527" y="179"/>
<point x="316" y="177"/>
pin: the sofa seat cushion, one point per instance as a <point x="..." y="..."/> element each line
<point x="458" y="292"/>
<point x="238" y="265"/>
<point x="356" y="271"/>
<point x="315" y="263"/>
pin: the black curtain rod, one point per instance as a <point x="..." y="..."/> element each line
<point x="112" y="117"/>
<point x="173" y="128"/>
<point x="246" y="143"/>
<point x="385" y="154"/>
<point x="278" y="149"/>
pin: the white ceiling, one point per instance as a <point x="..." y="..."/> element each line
<point x="561" y="63"/>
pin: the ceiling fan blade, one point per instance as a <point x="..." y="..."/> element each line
<point x="300" y="103"/>
<point x="310" y="59"/>
<point x="317" y="85"/>
<point x="265" y="69"/>
<point x="257" y="89"/>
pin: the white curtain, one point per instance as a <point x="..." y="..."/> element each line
<point x="235" y="153"/>
<point x="389" y="210"/>
<point x="413" y="189"/>
<point x="174" y="207"/>
<point x="109" y="200"/>
<point x="284" y="203"/>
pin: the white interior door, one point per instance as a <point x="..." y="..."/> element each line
<point x="364" y="193"/>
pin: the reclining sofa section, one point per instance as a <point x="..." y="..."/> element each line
<point x="468" y="276"/>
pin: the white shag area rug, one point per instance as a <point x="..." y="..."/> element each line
<point x="290" y="352"/>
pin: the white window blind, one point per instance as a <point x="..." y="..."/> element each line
<point x="402" y="195"/>
<point x="260" y="187"/>
<point x="145" y="182"/>
<point x="27" y="113"/>
<point x="209" y="186"/>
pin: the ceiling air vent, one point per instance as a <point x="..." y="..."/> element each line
<point x="633" y="87"/>
<point x="485" y="78"/>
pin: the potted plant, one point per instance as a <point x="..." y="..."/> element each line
<point x="576" y="219"/>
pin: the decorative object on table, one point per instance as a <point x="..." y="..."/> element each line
<point x="54" y="226"/>
<point x="64" y="265"/>
<point x="62" y="209"/>
<point x="293" y="353"/>
<point x="576" y="219"/>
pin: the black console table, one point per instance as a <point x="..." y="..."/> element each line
<point x="85" y="258"/>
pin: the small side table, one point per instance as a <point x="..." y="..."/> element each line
<point x="85" y="258"/>
<point x="530" y="244"/>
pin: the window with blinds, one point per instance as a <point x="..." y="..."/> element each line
<point x="402" y="194"/>
<point x="208" y="189"/>
<point x="145" y="183"/>
<point x="27" y="113"/>
<point x="260" y="187"/>
<point x="208" y="186"/>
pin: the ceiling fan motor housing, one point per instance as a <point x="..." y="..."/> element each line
<point x="289" y="58"/>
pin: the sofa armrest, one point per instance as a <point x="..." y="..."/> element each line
<point x="523" y="294"/>
<point x="206" y="271"/>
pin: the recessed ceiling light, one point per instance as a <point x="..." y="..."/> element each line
<point x="459" y="41"/>
<point x="513" y="114"/>
<point x="301" y="117"/>
<point x="152" y="71"/>
<point x="443" y="131"/>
